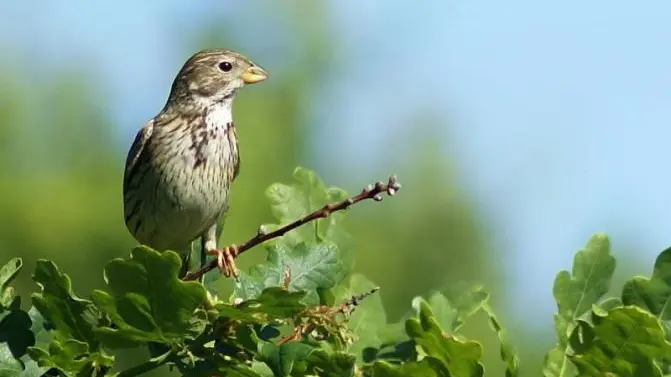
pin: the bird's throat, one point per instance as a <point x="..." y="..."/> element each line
<point x="219" y="115"/>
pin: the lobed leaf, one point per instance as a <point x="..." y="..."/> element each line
<point x="71" y="357"/>
<point x="460" y="357"/>
<point x="507" y="352"/>
<point x="427" y="367"/>
<point x="283" y="358"/>
<point x="289" y="202"/>
<point x="654" y="293"/>
<point x="71" y="316"/>
<point x="311" y="267"/>
<point x="454" y="304"/>
<point x="627" y="341"/>
<point x="575" y="293"/>
<point x="272" y="303"/>
<point x="8" y="273"/>
<point x="19" y="329"/>
<point x="147" y="301"/>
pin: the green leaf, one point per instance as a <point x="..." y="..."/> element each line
<point x="11" y="367"/>
<point x="283" y="358"/>
<point x="627" y="341"/>
<point x="575" y="294"/>
<point x="610" y="303"/>
<point x="15" y="331"/>
<point x="460" y="357"/>
<point x="290" y="202"/>
<point x="427" y="367"/>
<point x="368" y="319"/>
<point x="272" y="303"/>
<point x="456" y="303"/>
<point x="324" y="364"/>
<point x="7" y="273"/>
<point x="310" y="266"/>
<point x="72" y="357"/>
<point x="147" y="302"/>
<point x="654" y="293"/>
<point x="71" y="316"/>
<point x="19" y="331"/>
<point x="299" y="359"/>
<point x="507" y="352"/>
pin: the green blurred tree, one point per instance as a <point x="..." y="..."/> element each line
<point x="61" y="197"/>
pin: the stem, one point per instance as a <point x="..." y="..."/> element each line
<point x="371" y="192"/>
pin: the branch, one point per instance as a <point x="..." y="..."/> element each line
<point x="346" y="309"/>
<point x="371" y="192"/>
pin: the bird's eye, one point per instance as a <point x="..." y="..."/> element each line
<point x="225" y="66"/>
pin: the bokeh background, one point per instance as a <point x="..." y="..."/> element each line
<point x="518" y="129"/>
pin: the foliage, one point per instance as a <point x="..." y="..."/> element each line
<point x="303" y="312"/>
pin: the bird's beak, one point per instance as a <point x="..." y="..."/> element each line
<point x="253" y="75"/>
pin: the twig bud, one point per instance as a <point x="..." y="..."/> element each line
<point x="377" y="197"/>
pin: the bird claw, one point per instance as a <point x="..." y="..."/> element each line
<point x="226" y="260"/>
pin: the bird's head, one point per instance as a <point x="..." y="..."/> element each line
<point x="215" y="75"/>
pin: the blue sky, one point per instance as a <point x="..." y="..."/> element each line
<point x="558" y="114"/>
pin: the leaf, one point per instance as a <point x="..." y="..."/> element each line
<point x="456" y="303"/>
<point x="654" y="293"/>
<point x="507" y="352"/>
<point x="15" y="331"/>
<point x="71" y="357"/>
<point x="450" y="305"/>
<point x="310" y="266"/>
<point x="7" y="273"/>
<point x="272" y="303"/>
<point x="147" y="301"/>
<point x="19" y="330"/>
<point x="307" y="194"/>
<point x="71" y="316"/>
<point x="610" y="303"/>
<point x="324" y="364"/>
<point x="368" y="319"/>
<point x="627" y="341"/>
<point x="11" y="367"/>
<point x="427" y="367"/>
<point x="575" y="294"/>
<point x="300" y="359"/>
<point x="460" y="357"/>
<point x="283" y="358"/>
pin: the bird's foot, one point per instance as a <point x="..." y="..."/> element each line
<point x="226" y="260"/>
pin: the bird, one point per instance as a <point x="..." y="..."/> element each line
<point x="183" y="161"/>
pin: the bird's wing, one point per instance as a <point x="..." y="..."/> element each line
<point x="136" y="150"/>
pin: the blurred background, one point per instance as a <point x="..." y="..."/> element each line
<point x="518" y="129"/>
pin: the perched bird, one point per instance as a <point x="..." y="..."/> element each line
<point x="181" y="165"/>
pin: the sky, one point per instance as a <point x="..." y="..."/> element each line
<point x="558" y="113"/>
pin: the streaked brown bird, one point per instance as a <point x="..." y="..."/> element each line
<point x="180" y="168"/>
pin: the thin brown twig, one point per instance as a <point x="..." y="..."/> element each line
<point x="346" y="308"/>
<point x="371" y="192"/>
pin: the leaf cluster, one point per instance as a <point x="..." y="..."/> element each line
<point x="304" y="312"/>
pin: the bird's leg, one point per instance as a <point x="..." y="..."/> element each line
<point x="225" y="257"/>
<point x="226" y="260"/>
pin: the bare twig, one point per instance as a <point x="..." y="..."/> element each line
<point x="371" y="192"/>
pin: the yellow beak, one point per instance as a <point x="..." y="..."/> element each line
<point x="253" y="75"/>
